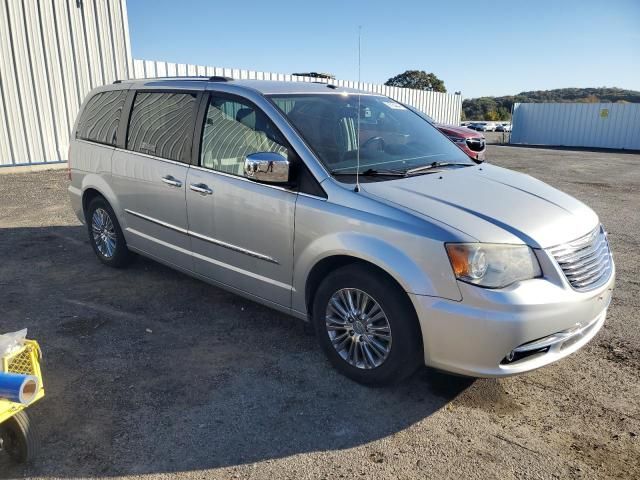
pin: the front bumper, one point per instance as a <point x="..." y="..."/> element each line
<point x="475" y="336"/>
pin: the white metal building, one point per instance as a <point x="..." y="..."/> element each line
<point x="442" y="107"/>
<point x="53" y="52"/>
<point x="594" y="125"/>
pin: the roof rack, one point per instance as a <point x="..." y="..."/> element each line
<point x="218" y="78"/>
<point x="201" y="78"/>
<point x="329" y="85"/>
<point x="327" y="76"/>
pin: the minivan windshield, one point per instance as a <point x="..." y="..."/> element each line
<point x="393" y="139"/>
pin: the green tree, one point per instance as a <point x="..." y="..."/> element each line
<point x="418" y="79"/>
<point x="503" y="113"/>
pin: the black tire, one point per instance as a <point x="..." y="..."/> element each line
<point x="120" y="256"/>
<point x="405" y="351"/>
<point x="19" y="439"/>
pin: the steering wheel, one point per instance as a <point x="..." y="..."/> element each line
<point x="376" y="138"/>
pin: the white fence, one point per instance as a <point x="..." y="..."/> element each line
<point x="595" y="125"/>
<point x="443" y="107"/>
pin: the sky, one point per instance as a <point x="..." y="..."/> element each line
<point x="481" y="48"/>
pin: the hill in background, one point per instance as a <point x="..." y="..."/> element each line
<point x="499" y="108"/>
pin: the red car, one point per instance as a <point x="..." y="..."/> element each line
<point x="470" y="142"/>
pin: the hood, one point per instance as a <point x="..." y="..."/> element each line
<point x="491" y="204"/>
<point x="462" y="132"/>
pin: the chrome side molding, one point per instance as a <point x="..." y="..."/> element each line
<point x="199" y="236"/>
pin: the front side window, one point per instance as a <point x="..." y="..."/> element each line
<point x="392" y="137"/>
<point x="233" y="129"/>
<point x="161" y="124"/>
<point x="100" y="117"/>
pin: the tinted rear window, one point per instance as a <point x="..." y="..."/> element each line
<point x="100" y="117"/>
<point x="161" y="124"/>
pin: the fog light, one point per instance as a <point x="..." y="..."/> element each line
<point x="510" y="356"/>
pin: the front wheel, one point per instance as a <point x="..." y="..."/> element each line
<point x="367" y="326"/>
<point x="18" y="438"/>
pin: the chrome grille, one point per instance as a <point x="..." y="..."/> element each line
<point x="586" y="262"/>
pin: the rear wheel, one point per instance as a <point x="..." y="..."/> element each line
<point x="18" y="438"/>
<point x="367" y="326"/>
<point x="105" y="234"/>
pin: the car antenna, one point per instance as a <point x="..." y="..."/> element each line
<point x="357" y="189"/>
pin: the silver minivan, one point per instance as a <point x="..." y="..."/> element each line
<point x="345" y="209"/>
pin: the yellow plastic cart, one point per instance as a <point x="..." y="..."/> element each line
<point x="17" y="436"/>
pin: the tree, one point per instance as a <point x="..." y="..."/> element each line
<point x="504" y="114"/>
<point x="418" y="79"/>
<point x="477" y="108"/>
<point x="591" y="99"/>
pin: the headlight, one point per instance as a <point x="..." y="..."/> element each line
<point x="492" y="265"/>
<point x="457" y="139"/>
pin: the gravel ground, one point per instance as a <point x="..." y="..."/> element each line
<point x="152" y="373"/>
<point x="496" y="138"/>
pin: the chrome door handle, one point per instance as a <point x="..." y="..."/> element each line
<point x="201" y="188"/>
<point x="170" y="180"/>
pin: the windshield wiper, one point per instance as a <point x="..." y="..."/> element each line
<point x="388" y="172"/>
<point x="423" y="168"/>
<point x="370" y="172"/>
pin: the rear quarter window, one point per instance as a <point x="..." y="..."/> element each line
<point x="101" y="116"/>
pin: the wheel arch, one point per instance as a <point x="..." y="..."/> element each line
<point x="331" y="263"/>
<point x="88" y="195"/>
<point x="94" y="186"/>
<point x="322" y="254"/>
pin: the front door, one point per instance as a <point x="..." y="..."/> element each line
<point x="241" y="231"/>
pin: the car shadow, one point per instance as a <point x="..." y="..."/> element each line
<point x="150" y="371"/>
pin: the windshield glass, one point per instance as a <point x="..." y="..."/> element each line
<point x="392" y="137"/>
<point x="421" y="114"/>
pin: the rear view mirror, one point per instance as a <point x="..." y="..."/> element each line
<point x="268" y="167"/>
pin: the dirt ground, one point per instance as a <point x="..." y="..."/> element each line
<point x="496" y="138"/>
<point x="153" y="374"/>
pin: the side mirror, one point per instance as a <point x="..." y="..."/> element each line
<point x="268" y="167"/>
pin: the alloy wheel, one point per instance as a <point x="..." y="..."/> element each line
<point x="104" y="232"/>
<point x="358" y="328"/>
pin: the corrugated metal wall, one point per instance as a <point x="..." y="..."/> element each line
<point x="596" y="125"/>
<point x="52" y="52"/>
<point x="443" y="107"/>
